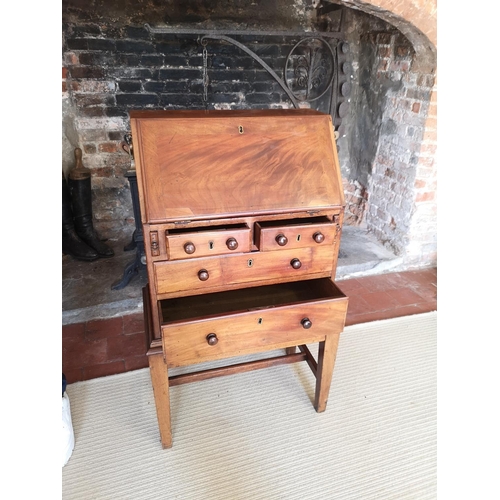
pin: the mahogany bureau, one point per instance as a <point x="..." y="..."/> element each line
<point x="242" y="215"/>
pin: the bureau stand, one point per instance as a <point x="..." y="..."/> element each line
<point x="242" y="216"/>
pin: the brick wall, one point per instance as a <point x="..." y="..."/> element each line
<point x="388" y="149"/>
<point x="111" y="71"/>
<point x="387" y="138"/>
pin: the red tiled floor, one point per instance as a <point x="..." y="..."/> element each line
<point x="390" y="295"/>
<point x="109" y="346"/>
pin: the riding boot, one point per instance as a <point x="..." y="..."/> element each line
<point x="81" y="198"/>
<point x="71" y="243"/>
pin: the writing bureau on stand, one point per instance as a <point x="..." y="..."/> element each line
<point x="242" y="216"/>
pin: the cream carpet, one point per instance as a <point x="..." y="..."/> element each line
<point x="256" y="435"/>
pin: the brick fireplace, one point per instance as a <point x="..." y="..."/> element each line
<point x="122" y="55"/>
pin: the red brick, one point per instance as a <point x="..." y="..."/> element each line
<point x="431" y="123"/>
<point x="85" y="353"/>
<point x="405" y="297"/>
<point x="125" y="346"/>
<point x="73" y="375"/>
<point x="108" y="147"/>
<point x="103" y="328"/>
<point x="64" y="87"/>
<point x="103" y="370"/>
<point x="133" y="323"/>
<point x="428" y="148"/>
<point x="430" y="135"/>
<point x="383" y="65"/>
<point x="428" y="292"/>
<point x="136" y="362"/>
<point x="350" y="286"/>
<point x="426" y="196"/>
<point x="421" y="277"/>
<point x="384" y="51"/>
<point x="74" y="330"/>
<point x="379" y="301"/>
<point x="102" y="172"/>
<point x="64" y="73"/>
<point x="416" y="107"/>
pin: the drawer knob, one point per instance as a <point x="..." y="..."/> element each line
<point x="296" y="264"/>
<point x="282" y="240"/>
<point x="212" y="339"/>
<point x="189" y="247"/>
<point x="203" y="274"/>
<point x="306" y="323"/>
<point x="232" y="244"/>
<point x="319" y="237"/>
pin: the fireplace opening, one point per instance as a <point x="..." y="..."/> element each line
<point x="371" y="69"/>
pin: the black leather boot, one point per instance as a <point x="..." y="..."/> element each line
<point x="71" y="243"/>
<point x="81" y="199"/>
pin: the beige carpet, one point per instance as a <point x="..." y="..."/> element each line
<point x="256" y="435"/>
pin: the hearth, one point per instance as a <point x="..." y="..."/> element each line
<point x="372" y="69"/>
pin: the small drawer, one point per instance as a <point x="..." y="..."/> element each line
<point x="194" y="276"/>
<point x="225" y="324"/>
<point x="207" y="241"/>
<point x="297" y="233"/>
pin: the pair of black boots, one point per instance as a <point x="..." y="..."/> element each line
<point x="79" y="238"/>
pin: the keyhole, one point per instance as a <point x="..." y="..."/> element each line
<point x="250" y="262"/>
<point x="298" y="237"/>
<point x="260" y="321"/>
<point x="211" y="245"/>
<point x="240" y="129"/>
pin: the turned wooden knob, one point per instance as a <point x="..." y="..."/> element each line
<point x="282" y="240"/>
<point x="232" y="244"/>
<point x="319" y="237"/>
<point x="212" y="339"/>
<point x="189" y="247"/>
<point x="306" y="323"/>
<point x="295" y="263"/>
<point x="203" y="274"/>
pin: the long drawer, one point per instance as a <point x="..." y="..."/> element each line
<point x="226" y="324"/>
<point x="177" y="278"/>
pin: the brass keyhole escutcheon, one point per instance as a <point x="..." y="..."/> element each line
<point x="240" y="129"/>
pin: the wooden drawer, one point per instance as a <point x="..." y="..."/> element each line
<point x="225" y="324"/>
<point x="215" y="240"/>
<point x="298" y="233"/>
<point x="178" y="278"/>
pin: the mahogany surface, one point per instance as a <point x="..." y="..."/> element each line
<point x="242" y="216"/>
<point x="204" y="166"/>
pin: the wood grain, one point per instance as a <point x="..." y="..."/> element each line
<point x="178" y="278"/>
<point x="207" y="242"/>
<point x="191" y="168"/>
<point x="254" y="331"/>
